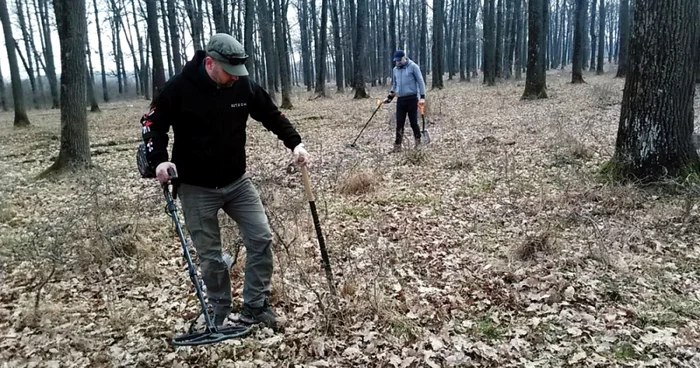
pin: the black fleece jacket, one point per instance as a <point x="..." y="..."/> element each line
<point x="209" y="125"/>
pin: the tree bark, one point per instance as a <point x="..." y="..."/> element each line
<point x="218" y="15"/>
<point x="499" y="39"/>
<point x="156" y="54"/>
<point x="338" y="48"/>
<point x="28" y="62"/>
<point x="490" y="43"/>
<point x="359" y="50"/>
<point x="21" y="119"/>
<point x="536" y="79"/>
<point x="74" y="151"/>
<point x="166" y="37"/>
<point x="94" y="107"/>
<point x="321" y="52"/>
<point x="175" y="35"/>
<point x="281" y="43"/>
<point x="624" y="39"/>
<point x="594" y="39"/>
<point x="654" y="138"/>
<point x="268" y="45"/>
<point x="105" y="92"/>
<point x="601" y="39"/>
<point x="577" y="74"/>
<point x="438" y="48"/>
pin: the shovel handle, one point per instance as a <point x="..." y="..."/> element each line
<point x="307" y="183"/>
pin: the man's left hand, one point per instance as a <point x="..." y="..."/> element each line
<point x="421" y="102"/>
<point x="301" y="157"/>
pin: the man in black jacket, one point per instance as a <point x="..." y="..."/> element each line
<point x="208" y="105"/>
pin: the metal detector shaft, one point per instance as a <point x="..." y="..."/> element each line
<point x="317" y="226"/>
<point x="172" y="209"/>
<point x="379" y="105"/>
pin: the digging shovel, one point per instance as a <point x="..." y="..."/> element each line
<point x="424" y="133"/>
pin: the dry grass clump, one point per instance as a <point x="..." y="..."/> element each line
<point x="358" y="183"/>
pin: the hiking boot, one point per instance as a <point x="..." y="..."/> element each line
<point x="397" y="148"/>
<point x="263" y="314"/>
<point x="419" y="143"/>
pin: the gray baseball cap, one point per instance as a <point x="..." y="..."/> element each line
<point x="229" y="52"/>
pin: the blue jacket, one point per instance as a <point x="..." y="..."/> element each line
<point x="407" y="80"/>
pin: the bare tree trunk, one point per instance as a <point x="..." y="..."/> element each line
<point x="536" y="79"/>
<point x="499" y="40"/>
<point x="438" y="48"/>
<point x="577" y="75"/>
<point x="175" y="36"/>
<point x="490" y="43"/>
<point x="105" y="92"/>
<point x="594" y="38"/>
<point x="21" y="119"/>
<point x="521" y="35"/>
<point x="624" y="38"/>
<point x="74" y="152"/>
<point x="268" y="44"/>
<point x="601" y="39"/>
<point x="360" y="91"/>
<point x="321" y="52"/>
<point x="654" y="139"/>
<point x="28" y="62"/>
<point x="166" y="38"/>
<point x="338" y="48"/>
<point x="281" y="42"/>
<point x="218" y="15"/>
<point x="94" y="107"/>
<point x="249" y="24"/>
<point x="156" y="55"/>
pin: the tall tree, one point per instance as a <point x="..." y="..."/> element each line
<point x="74" y="151"/>
<point x="338" y="47"/>
<point x="579" y="40"/>
<point x="321" y="51"/>
<point x="175" y="35"/>
<point x="536" y="79"/>
<point x="499" y="39"/>
<point x="594" y="39"/>
<point x="489" y="63"/>
<point x="622" y="64"/>
<point x="219" y="17"/>
<point x="268" y="44"/>
<point x="601" y="39"/>
<point x="518" y="9"/>
<point x="21" y="119"/>
<point x="438" y="48"/>
<point x="156" y="54"/>
<point x="359" y="50"/>
<point x="654" y="137"/>
<point x="94" y="107"/>
<point x="281" y="42"/>
<point x="105" y="92"/>
<point x="27" y="61"/>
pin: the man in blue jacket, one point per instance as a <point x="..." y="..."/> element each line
<point x="408" y="85"/>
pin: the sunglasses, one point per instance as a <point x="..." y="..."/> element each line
<point x="232" y="59"/>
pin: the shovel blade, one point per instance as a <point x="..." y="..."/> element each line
<point x="425" y="136"/>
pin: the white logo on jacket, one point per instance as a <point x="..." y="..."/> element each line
<point x="239" y="104"/>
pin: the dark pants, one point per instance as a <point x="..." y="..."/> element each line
<point x="406" y="105"/>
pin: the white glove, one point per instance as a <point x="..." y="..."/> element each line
<point x="301" y="157"/>
<point x="162" y="171"/>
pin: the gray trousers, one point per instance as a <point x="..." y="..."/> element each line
<point x="241" y="201"/>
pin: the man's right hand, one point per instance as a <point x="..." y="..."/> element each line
<point x="162" y="171"/>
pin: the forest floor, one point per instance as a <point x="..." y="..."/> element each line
<point x="498" y="245"/>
